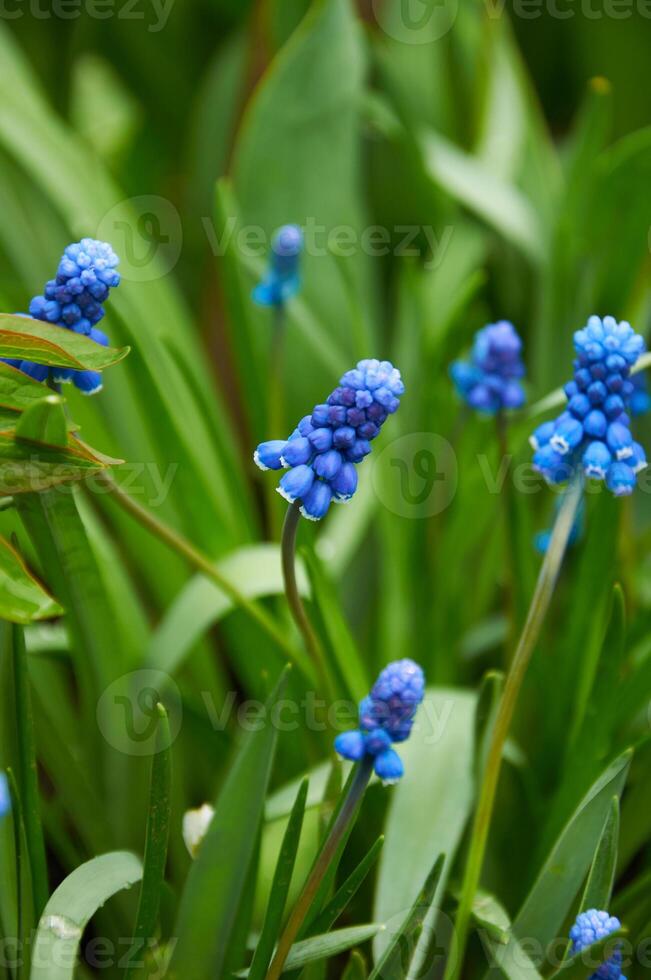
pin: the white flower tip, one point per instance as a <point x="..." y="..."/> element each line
<point x="258" y="462"/>
<point x="625" y="453"/>
<point x="195" y="827"/>
<point x="286" y="496"/>
<point x="309" y="517"/>
<point x="533" y="442"/>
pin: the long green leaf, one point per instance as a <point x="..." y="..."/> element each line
<point x="279" y="887"/>
<point x="22" y="597"/>
<point x="158" y="829"/>
<point x="22" y="338"/>
<point x="391" y="964"/>
<point x="599" y="886"/>
<point x="324" y="947"/>
<point x="71" y="907"/>
<point x="211" y="898"/>
<point x="345" y="893"/>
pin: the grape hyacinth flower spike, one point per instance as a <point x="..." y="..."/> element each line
<point x="386" y="716"/>
<point x="323" y="452"/>
<point x="593" y="435"/>
<point x="73" y="300"/>
<point x="282" y="280"/>
<point x="5" y="795"/>
<point x="491" y="381"/>
<point x="589" y="928"/>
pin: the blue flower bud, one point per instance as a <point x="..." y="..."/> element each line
<point x="542" y="435"/>
<point x="268" y="454"/>
<point x="490" y="382"/>
<point x="377" y="741"/>
<point x="388" y="767"/>
<point x="620" y="479"/>
<point x="344" y="483"/>
<point x="321" y="439"/>
<point x="567" y="436"/>
<point x="595" y="424"/>
<point x="327" y="465"/>
<point x="620" y="440"/>
<point x="296" y="483"/>
<point x="579" y="405"/>
<point x="638" y="460"/>
<point x="596" y="460"/>
<point x="297" y="451"/>
<point x="344" y="437"/>
<point x="317" y="501"/>
<point x="282" y="280"/>
<point x="351" y="745"/>
<point x="589" y="928"/>
<point x="88" y="382"/>
<point x="613" y="406"/>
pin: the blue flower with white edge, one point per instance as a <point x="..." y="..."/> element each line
<point x="589" y="928"/>
<point x="5" y="795"/>
<point x="593" y="434"/>
<point x="282" y="280"/>
<point x="386" y="716"/>
<point x="73" y="300"/>
<point x="324" y="450"/>
<point x="491" y="381"/>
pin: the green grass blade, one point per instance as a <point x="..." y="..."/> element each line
<point x="599" y="886"/>
<point x="22" y="338"/>
<point x="390" y="966"/>
<point x="158" y="829"/>
<point x="27" y="775"/>
<point x="324" y="947"/>
<point x="280" y="887"/>
<point x="71" y="907"/>
<point x="340" y="900"/>
<point x="212" y="894"/>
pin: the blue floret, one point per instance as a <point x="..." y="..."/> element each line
<point x="589" y="928"/>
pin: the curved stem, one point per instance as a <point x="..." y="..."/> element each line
<point x="515" y="677"/>
<point x="276" y="408"/>
<point x="204" y="565"/>
<point x="288" y="553"/>
<point x="317" y="874"/>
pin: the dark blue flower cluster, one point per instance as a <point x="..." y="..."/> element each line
<point x="282" y="280"/>
<point x="86" y="274"/>
<point x="386" y="716"/>
<point x="321" y="454"/>
<point x="491" y="381"/>
<point x="5" y="795"/>
<point x="594" y="431"/>
<point x="589" y="928"/>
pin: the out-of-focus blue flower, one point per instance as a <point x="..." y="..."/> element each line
<point x="282" y="280"/>
<point x="589" y="928"/>
<point x="84" y="279"/>
<point x="491" y="381"/>
<point x="542" y="539"/>
<point x="5" y="795"/>
<point x="640" y="402"/>
<point x="594" y="432"/>
<point x="321" y="454"/>
<point x="386" y="716"/>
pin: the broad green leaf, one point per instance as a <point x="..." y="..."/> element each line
<point x="30" y="467"/>
<point x="391" y="964"/>
<point x="279" y="888"/>
<point x="433" y="800"/>
<point x="44" y="421"/>
<point x="255" y="570"/>
<point x="510" y="960"/>
<point x="17" y="390"/>
<point x="156" y="841"/>
<point x="213" y="890"/>
<point x="599" y="886"/>
<point x="22" y="597"/>
<point x="491" y="916"/>
<point x="559" y="879"/>
<point x="25" y="339"/>
<point x="71" y="908"/>
<point x="324" y="947"/>
<point x="355" y="968"/>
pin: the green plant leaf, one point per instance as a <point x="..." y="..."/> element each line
<point x="435" y="808"/>
<point x="599" y="886"/>
<point x="355" y="968"/>
<point x="156" y="842"/>
<point x="44" y="421"/>
<point x="22" y="597"/>
<point x="22" y="338"/>
<point x="27" y="467"/>
<point x="72" y="906"/>
<point x="490" y="915"/>
<point x="279" y="887"/>
<point x="211" y="897"/>
<point x="390" y="966"/>
<point x="345" y="893"/>
<point x="324" y="947"/>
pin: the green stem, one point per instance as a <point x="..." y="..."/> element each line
<point x="288" y="553"/>
<point x="317" y="874"/>
<point x="517" y="671"/>
<point x="276" y="409"/>
<point x="204" y="565"/>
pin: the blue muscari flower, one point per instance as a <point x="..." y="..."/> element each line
<point x="282" y="280"/>
<point x="640" y="402"/>
<point x="594" y="432"/>
<point x="321" y="455"/>
<point x="385" y="716"/>
<point x="491" y="381"/>
<point x="73" y="300"/>
<point x="589" y="928"/>
<point x="5" y="795"/>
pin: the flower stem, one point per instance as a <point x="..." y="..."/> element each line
<point x="276" y="408"/>
<point x="204" y="565"/>
<point x="329" y="850"/>
<point x="537" y="611"/>
<point x="288" y="552"/>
